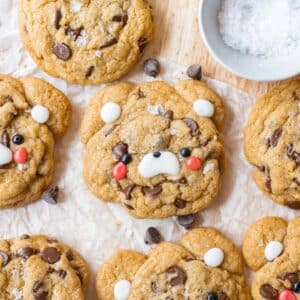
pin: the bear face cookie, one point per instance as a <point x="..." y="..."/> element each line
<point x="85" y="41"/>
<point x="272" y="144"/>
<point x="204" y="265"/>
<point x="152" y="148"/>
<point x="39" y="267"/>
<point x="33" y="115"/>
<point x="271" y="249"/>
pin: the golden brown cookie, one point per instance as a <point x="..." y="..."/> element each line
<point x="204" y="265"/>
<point x="151" y="148"/>
<point x="85" y="41"/>
<point x="271" y="248"/>
<point x="272" y="144"/>
<point x="33" y="115"/>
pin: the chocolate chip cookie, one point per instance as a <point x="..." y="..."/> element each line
<point x="39" y="267"/>
<point x="33" y="115"/>
<point x="154" y="148"/>
<point x="272" y="144"/>
<point x="85" y="41"/>
<point x="204" y="265"/>
<point x="271" y="249"/>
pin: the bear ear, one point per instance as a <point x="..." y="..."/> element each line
<point x="214" y="249"/>
<point x="205" y="102"/>
<point x="48" y="105"/>
<point x="264" y="241"/>
<point x="116" y="275"/>
<point x="105" y="108"/>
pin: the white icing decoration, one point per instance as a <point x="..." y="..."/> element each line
<point x="110" y="112"/>
<point x="156" y="109"/>
<point x="5" y="155"/>
<point x="208" y="167"/>
<point x="40" y="114"/>
<point x="75" y="6"/>
<point x="214" y="257"/>
<point x="166" y="163"/>
<point x="122" y="289"/>
<point x="22" y="167"/>
<point x="204" y="108"/>
<point x="273" y="250"/>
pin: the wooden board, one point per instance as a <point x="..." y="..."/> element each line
<point x="177" y="38"/>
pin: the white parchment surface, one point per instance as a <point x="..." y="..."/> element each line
<point x="97" y="229"/>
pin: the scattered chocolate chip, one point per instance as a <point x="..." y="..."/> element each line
<point x="51" y="270"/>
<point x="293" y="204"/>
<point x="51" y="255"/>
<point x="142" y="42"/>
<point x="291" y="277"/>
<point x="129" y="207"/>
<point x="26" y="252"/>
<point x="62" y="51"/>
<point x="41" y="296"/>
<point x="36" y="286"/>
<point x="152" y="191"/>
<point x="110" y="130"/>
<point x="5" y="258"/>
<point x="62" y="273"/>
<point x="268" y="292"/>
<point x="180" y="203"/>
<point x="120" y="149"/>
<point x="273" y="140"/>
<point x="78" y="273"/>
<point x="5" y="139"/>
<point x="222" y="296"/>
<point x="25" y="237"/>
<point x="141" y="94"/>
<point x="109" y="43"/>
<point x="177" y="276"/>
<point x="292" y="154"/>
<point x="51" y="195"/>
<point x="153" y="236"/>
<point x="151" y="67"/>
<point x="117" y="18"/>
<point x="70" y="255"/>
<point x="296" y="180"/>
<point x="261" y="168"/>
<point x="295" y="96"/>
<point x="89" y="71"/>
<point x="57" y="19"/>
<point x="154" y="287"/>
<point x="268" y="183"/>
<point x="76" y="32"/>
<point x="194" y="72"/>
<point x="190" y="123"/>
<point x="128" y="190"/>
<point x="168" y="114"/>
<point x="186" y="221"/>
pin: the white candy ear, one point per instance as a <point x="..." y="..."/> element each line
<point x="273" y="250"/>
<point x="204" y="108"/>
<point x="122" y="289"/>
<point x="110" y="112"/>
<point x="40" y="114"/>
<point x="5" y="155"/>
<point x="214" y="257"/>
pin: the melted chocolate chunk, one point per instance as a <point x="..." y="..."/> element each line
<point x="129" y="206"/>
<point x="268" y="183"/>
<point x="142" y="42"/>
<point x="152" y="191"/>
<point x="120" y="149"/>
<point x="292" y="154"/>
<point x="141" y="94"/>
<point x="128" y="190"/>
<point x="5" y="139"/>
<point x="51" y="195"/>
<point x="26" y="252"/>
<point x="57" y="19"/>
<point x="62" y="51"/>
<point x="70" y="255"/>
<point x="291" y="277"/>
<point x="89" y="71"/>
<point x="177" y="276"/>
<point x="191" y="124"/>
<point x="153" y="236"/>
<point x="151" y="67"/>
<point x="51" y="255"/>
<point x="36" y="286"/>
<point x="41" y="296"/>
<point x="194" y="72"/>
<point x="76" y="32"/>
<point x="180" y="203"/>
<point x="168" y="114"/>
<point x="5" y="258"/>
<point x="186" y="221"/>
<point x="120" y="19"/>
<point x="109" y="43"/>
<point x="62" y="274"/>
<point x="154" y="287"/>
<point x="293" y="204"/>
<point x="273" y="140"/>
<point x="268" y="292"/>
<point x="296" y="96"/>
<point x="296" y="180"/>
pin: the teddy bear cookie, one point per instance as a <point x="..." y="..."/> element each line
<point x="204" y="265"/>
<point x="85" y="41"/>
<point x="39" y="267"/>
<point x="33" y="115"/>
<point x="272" y="144"/>
<point x="154" y="148"/>
<point x="271" y="249"/>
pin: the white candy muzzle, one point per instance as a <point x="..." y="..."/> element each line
<point x="5" y="155"/>
<point x="156" y="163"/>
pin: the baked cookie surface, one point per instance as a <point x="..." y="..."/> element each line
<point x="39" y="267"/>
<point x="271" y="248"/>
<point x="204" y="265"/>
<point x="148" y="148"/>
<point x="85" y="41"/>
<point x="33" y="114"/>
<point x="272" y="144"/>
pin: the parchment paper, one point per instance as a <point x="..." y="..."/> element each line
<point x="97" y="229"/>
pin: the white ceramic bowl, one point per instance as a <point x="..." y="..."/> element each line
<point x="247" y="66"/>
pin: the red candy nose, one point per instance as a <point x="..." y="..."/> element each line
<point x="193" y="163"/>
<point x="20" y="155"/>
<point x="287" y="295"/>
<point x="119" y="171"/>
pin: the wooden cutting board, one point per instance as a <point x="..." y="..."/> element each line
<point x="177" y="38"/>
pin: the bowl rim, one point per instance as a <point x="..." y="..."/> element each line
<point x="263" y="78"/>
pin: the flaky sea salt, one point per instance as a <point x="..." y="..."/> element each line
<point x="261" y="27"/>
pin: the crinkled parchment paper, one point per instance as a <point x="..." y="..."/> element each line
<point x="97" y="229"/>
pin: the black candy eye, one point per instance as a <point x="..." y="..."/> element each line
<point x="296" y="287"/>
<point x="18" y="139"/>
<point x="126" y="158"/>
<point x="185" y="152"/>
<point x="212" y="296"/>
<point x="156" y="154"/>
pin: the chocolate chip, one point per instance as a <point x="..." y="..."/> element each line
<point x="168" y="114"/>
<point x="152" y="191"/>
<point x="62" y="273"/>
<point x="57" y="19"/>
<point x="141" y="94"/>
<point x="273" y="140"/>
<point x="51" y="270"/>
<point x="25" y="237"/>
<point x="268" y="183"/>
<point x="293" y="204"/>
<point x="151" y="67"/>
<point x="191" y="124"/>
<point x="76" y="32"/>
<point x="153" y="236"/>
<point x="37" y="285"/>
<point x="26" y="252"/>
<point x="261" y="168"/>
<point x="154" y="287"/>
<point x="291" y="277"/>
<point x="41" y="296"/>
<point x="70" y="255"/>
<point x="51" y="195"/>
<point x="186" y="221"/>
<point x="117" y="18"/>
<point x="78" y="273"/>
<point x="120" y="149"/>
<point x="180" y="203"/>
<point x="5" y="139"/>
<point x="194" y="72"/>
<point x="296" y="180"/>
<point x="128" y="190"/>
<point x="268" y="292"/>
<point x="125" y="19"/>
<point x="109" y="43"/>
<point x="177" y="276"/>
<point x="181" y="180"/>
<point x="222" y="296"/>
<point x="51" y="255"/>
<point x="89" y="71"/>
<point x="142" y="42"/>
<point x="292" y="154"/>
<point x="295" y="96"/>
<point x="111" y="130"/>
<point x="62" y="51"/>
<point x="5" y="258"/>
<point x="129" y="206"/>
